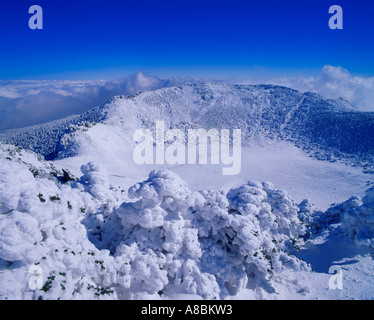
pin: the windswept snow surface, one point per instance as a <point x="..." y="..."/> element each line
<point x="94" y="225"/>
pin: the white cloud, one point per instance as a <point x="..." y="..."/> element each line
<point x="333" y="82"/>
<point x="24" y="103"/>
<point x="9" y="93"/>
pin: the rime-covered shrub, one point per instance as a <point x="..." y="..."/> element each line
<point x="317" y="222"/>
<point x="208" y="243"/>
<point x="95" y="181"/>
<point x="354" y="217"/>
<point x="166" y="241"/>
<point x="245" y="234"/>
<point x="18" y="233"/>
<point x="40" y="226"/>
<point x="357" y="219"/>
<point x="159" y="242"/>
<point x="308" y="215"/>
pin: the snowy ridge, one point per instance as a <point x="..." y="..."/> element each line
<point x="328" y="129"/>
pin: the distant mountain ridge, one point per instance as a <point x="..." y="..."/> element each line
<point x="44" y="138"/>
<point x="329" y="129"/>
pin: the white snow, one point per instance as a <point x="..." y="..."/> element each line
<point x="324" y="183"/>
<point x="165" y="241"/>
<point x="101" y="227"/>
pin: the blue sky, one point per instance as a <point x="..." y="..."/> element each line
<point x="112" y="38"/>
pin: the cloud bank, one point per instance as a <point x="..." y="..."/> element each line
<point x="333" y="82"/>
<point x="25" y="103"/>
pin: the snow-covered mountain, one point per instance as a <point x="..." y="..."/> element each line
<point x="79" y="219"/>
<point x="328" y="128"/>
